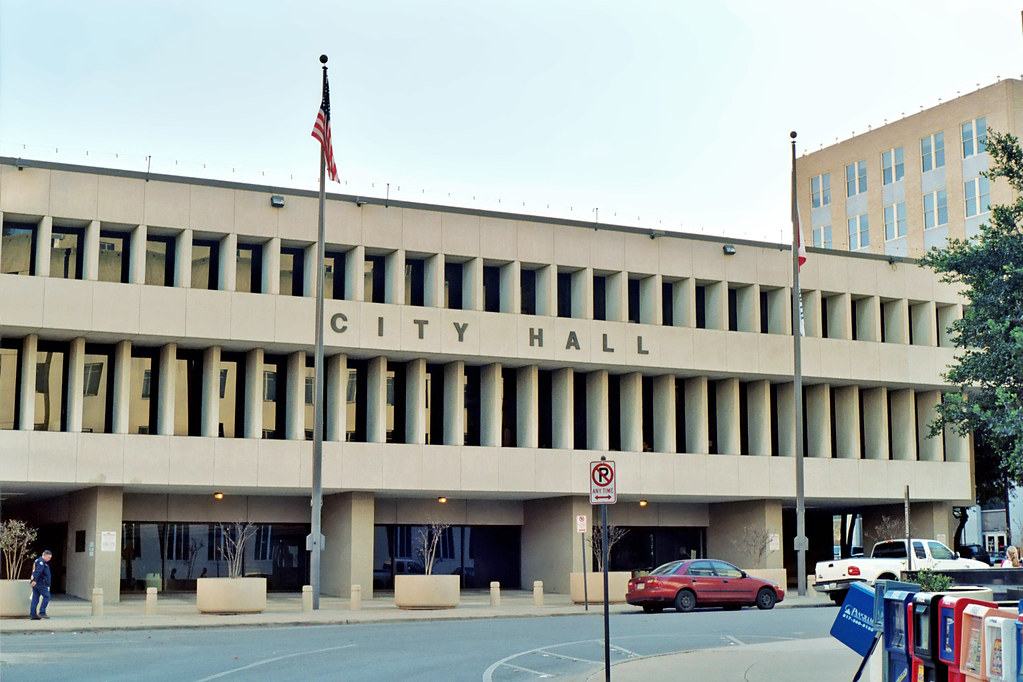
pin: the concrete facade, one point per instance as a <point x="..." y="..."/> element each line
<point x="435" y="385"/>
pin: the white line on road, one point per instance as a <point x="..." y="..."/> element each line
<point x="733" y="640"/>
<point x="488" y="674"/>
<point x="630" y="654"/>
<point x="544" y="652"/>
<point x="272" y="660"/>
<point x="527" y="670"/>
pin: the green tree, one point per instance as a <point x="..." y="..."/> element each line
<point x="989" y="368"/>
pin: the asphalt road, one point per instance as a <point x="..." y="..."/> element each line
<point x="493" y="650"/>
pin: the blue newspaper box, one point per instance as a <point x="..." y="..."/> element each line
<point x="854" y="625"/>
<point x="897" y="604"/>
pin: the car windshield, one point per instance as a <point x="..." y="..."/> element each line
<point x="666" y="569"/>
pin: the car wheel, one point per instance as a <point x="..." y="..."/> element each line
<point x="652" y="609"/>
<point x="685" y="601"/>
<point x="766" y="599"/>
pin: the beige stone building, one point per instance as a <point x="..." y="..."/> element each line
<point x="913" y="183"/>
<point x="156" y="340"/>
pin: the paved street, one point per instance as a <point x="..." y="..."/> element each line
<point x="491" y="650"/>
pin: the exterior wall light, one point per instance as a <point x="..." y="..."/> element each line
<point x="218" y="496"/>
<point x="277" y="201"/>
<point x="642" y="503"/>
<point x="728" y="249"/>
<point x="442" y="500"/>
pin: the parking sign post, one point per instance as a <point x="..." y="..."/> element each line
<point x="581" y="528"/>
<point x="603" y="491"/>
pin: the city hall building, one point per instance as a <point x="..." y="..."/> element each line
<point x="156" y="343"/>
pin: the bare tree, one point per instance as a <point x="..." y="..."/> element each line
<point x="886" y="528"/>
<point x="194" y="545"/>
<point x="754" y="544"/>
<point x="15" y="538"/>
<point x="428" y="542"/>
<point x="233" y="537"/>
<point x="614" y="536"/>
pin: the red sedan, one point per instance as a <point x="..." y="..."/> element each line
<point x="701" y="582"/>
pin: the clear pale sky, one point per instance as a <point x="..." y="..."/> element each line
<point x="667" y="115"/>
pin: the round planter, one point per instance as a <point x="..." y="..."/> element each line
<point x="617" y="586"/>
<point x="15" y="598"/>
<point x="230" y="595"/>
<point x="426" y="591"/>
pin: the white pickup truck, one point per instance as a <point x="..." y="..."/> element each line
<point x="886" y="562"/>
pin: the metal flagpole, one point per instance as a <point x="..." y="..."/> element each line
<point x="797" y="393"/>
<point x="317" y="501"/>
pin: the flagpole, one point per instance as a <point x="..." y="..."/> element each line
<point x="797" y="392"/>
<point x="317" y="501"/>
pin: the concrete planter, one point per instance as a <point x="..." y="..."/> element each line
<point x="617" y="586"/>
<point x="230" y="595"/>
<point x="15" y="598"/>
<point x="778" y="576"/>
<point x="426" y="591"/>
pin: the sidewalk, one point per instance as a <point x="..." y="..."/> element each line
<point x="69" y="614"/>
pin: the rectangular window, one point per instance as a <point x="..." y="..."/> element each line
<point x="66" y="252"/>
<point x="93" y="374"/>
<point x="10" y="382"/>
<point x="935" y="209"/>
<point x="205" y="264"/>
<point x="892" y="167"/>
<point x="491" y="288"/>
<point x="527" y="283"/>
<point x="51" y="386"/>
<point x="18" y="249"/>
<point x="820" y="190"/>
<point x="160" y="260"/>
<point x="932" y="152"/>
<point x="415" y="281"/>
<point x="292" y="271"/>
<point x="249" y="277"/>
<point x="141" y="408"/>
<point x="269" y="386"/>
<point x="373" y="279"/>
<point x="859" y="232"/>
<point x="822" y="237"/>
<point x="855" y="178"/>
<point x="975" y="137"/>
<point x="113" y="256"/>
<point x="232" y="395"/>
<point x="978" y="196"/>
<point x="334" y="275"/>
<point x="895" y="220"/>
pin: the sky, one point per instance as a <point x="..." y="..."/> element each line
<point x="663" y="115"/>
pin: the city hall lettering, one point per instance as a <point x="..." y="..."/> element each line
<point x="535" y="335"/>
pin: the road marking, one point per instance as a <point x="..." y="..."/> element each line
<point x="488" y="674"/>
<point x="272" y="660"/>
<point x="527" y="670"/>
<point x="570" y="658"/>
<point x="630" y="654"/>
<point x="733" y="640"/>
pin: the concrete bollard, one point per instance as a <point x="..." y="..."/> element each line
<point x="356" y="602"/>
<point x="307" y="597"/>
<point x="495" y="594"/>
<point x="97" y="601"/>
<point x="150" y="601"/>
<point x="537" y="593"/>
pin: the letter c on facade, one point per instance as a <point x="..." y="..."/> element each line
<point x="339" y="328"/>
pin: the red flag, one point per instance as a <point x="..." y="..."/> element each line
<point x="321" y="131"/>
<point x="802" y="244"/>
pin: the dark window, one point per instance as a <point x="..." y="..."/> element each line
<point x="10" y="382"/>
<point x="634" y="306"/>
<point x="334" y="275"/>
<point x="599" y="297"/>
<point x="374" y="291"/>
<point x="733" y="310"/>
<point x="701" y="307"/>
<point x="545" y="421"/>
<point x="18" y="249"/>
<point x="453" y="286"/>
<point x="160" y="260"/>
<point x="614" y="412"/>
<point x="765" y="318"/>
<point x="51" y="386"/>
<point x="579" y="410"/>
<point x="205" y="264"/>
<point x="472" y="406"/>
<point x="564" y="294"/>
<point x="667" y="304"/>
<point x="113" y="256"/>
<point x="415" y="281"/>
<point x="66" y="252"/>
<point x="491" y="288"/>
<point x="98" y="398"/>
<point x="249" y="277"/>
<point x="292" y="272"/>
<point x="824" y="318"/>
<point x="527" y="280"/>
<point x="142" y="409"/>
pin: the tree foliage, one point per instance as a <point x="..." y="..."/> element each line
<point x="989" y="367"/>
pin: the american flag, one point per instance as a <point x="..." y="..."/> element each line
<point x="321" y="131"/>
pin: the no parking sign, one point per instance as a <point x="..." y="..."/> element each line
<point x="602" y="482"/>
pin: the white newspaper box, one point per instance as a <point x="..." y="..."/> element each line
<point x="1000" y="648"/>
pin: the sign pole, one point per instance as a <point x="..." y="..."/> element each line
<point x="604" y="491"/>
<point x="582" y="543"/>
<point x="607" y="620"/>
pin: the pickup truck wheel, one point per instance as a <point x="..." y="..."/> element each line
<point x="685" y="601"/>
<point x="838" y="597"/>
<point x="886" y="576"/>
<point x="766" y="599"/>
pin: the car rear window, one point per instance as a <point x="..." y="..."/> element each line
<point x="666" y="569"/>
<point x="890" y="550"/>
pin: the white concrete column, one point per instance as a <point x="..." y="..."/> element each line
<point x="582" y="294"/>
<point x="309" y="271"/>
<point x="930" y="449"/>
<point x="786" y="420"/>
<point x="729" y="437"/>
<point x="818" y="420"/>
<point x="121" y="387"/>
<point x="631" y="402"/>
<point x="271" y="283"/>
<point x="563" y="417"/>
<point x="946" y="314"/>
<point x="336" y="409"/>
<point x="415" y="401"/>
<point x="875" y="422"/>
<point x="183" y="259"/>
<point x="847" y="421"/>
<point x="27" y="394"/>
<point x="75" y="398"/>
<point x="347" y="558"/>
<point x="664" y="413"/>
<point x="547" y="290"/>
<point x="747" y="302"/>
<point x="511" y="287"/>
<point x="295" y="405"/>
<point x="758" y="417"/>
<point x="896" y="321"/>
<point x="44" y="245"/>
<point x="597" y="435"/>
<point x="697" y="431"/>
<point x="650" y="300"/>
<point x="923" y="317"/>
<point x="454" y="403"/>
<point x="684" y="303"/>
<point x="91" y="248"/>
<point x="472" y="284"/>
<point x="491" y="405"/>
<point x="254" y="393"/>
<point x="812" y="313"/>
<point x="527" y="408"/>
<point x="376" y="400"/>
<point x="617" y="304"/>
<point x="868" y="318"/>
<point x="210" y="427"/>
<point x="94" y="511"/>
<point x="903" y="408"/>
<point x="715" y="305"/>
<point x="433" y="281"/>
<point x="166" y="389"/>
<point x="137" y="255"/>
<point x="227" y="273"/>
<point x="839" y="317"/>
<point x="394" y="277"/>
<point x="779" y="311"/>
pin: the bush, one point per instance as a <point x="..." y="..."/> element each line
<point x="930" y="581"/>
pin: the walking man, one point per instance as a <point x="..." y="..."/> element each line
<point x="40" y="586"/>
